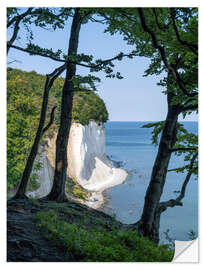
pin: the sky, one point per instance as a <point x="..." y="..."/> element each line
<point x="134" y="98"/>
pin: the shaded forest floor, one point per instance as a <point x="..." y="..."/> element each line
<point x="44" y="231"/>
<point x="26" y="243"/>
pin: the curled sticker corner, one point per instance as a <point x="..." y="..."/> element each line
<point x="186" y="251"/>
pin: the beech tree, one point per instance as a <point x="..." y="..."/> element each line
<point x="182" y="98"/>
<point x="168" y="36"/>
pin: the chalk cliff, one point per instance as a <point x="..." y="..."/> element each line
<point x="88" y="164"/>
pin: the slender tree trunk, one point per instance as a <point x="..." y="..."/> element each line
<point x="58" y="189"/>
<point x="148" y="226"/>
<point x="40" y="131"/>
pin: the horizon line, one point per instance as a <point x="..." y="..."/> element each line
<point x="148" y="120"/>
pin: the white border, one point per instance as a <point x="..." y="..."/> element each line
<point x="71" y="3"/>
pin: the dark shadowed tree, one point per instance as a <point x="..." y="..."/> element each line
<point x="58" y="189"/>
<point x="181" y="86"/>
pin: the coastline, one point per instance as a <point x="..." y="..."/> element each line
<point x="97" y="198"/>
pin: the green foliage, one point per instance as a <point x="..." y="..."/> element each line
<point x="41" y="17"/>
<point x="85" y="244"/>
<point x="33" y="183"/>
<point x="185" y="139"/>
<point x="158" y="127"/>
<point x="192" y="235"/>
<point x="74" y="189"/>
<point x="24" y="97"/>
<point x="22" y="117"/>
<point x="35" y="49"/>
<point x="88" y="106"/>
<point x="56" y="18"/>
<point x="82" y="81"/>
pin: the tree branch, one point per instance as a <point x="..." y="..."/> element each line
<point x="38" y="11"/>
<point x="177" y="202"/>
<point x="19" y="17"/>
<point x="189" y="108"/>
<point x="183" y="149"/>
<point x="40" y="54"/>
<point x="52" y="76"/>
<point x="51" y="120"/>
<point x="98" y="21"/>
<point x="163" y="55"/>
<point x="192" y="47"/>
<point x="164" y="27"/>
<point x="189" y="100"/>
<point x="93" y="66"/>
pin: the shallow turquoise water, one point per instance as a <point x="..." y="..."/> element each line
<point x="128" y="142"/>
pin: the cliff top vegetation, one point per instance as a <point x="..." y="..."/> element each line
<point x="24" y="97"/>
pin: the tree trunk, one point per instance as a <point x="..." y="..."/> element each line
<point x="40" y="131"/>
<point x="58" y="189"/>
<point x="148" y="226"/>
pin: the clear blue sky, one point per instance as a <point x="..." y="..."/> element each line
<point x="134" y="98"/>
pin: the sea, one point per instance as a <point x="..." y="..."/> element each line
<point x="131" y="146"/>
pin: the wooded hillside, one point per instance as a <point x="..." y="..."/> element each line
<point x="24" y="97"/>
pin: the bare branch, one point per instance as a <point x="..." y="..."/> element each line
<point x="13" y="61"/>
<point x="177" y="202"/>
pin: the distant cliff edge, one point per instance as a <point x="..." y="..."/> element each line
<point x="89" y="172"/>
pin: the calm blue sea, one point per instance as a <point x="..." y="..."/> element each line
<point x="131" y="144"/>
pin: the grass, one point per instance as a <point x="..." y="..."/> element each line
<point x="87" y="244"/>
<point x="77" y="190"/>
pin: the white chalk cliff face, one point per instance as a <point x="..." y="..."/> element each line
<point x="87" y="162"/>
